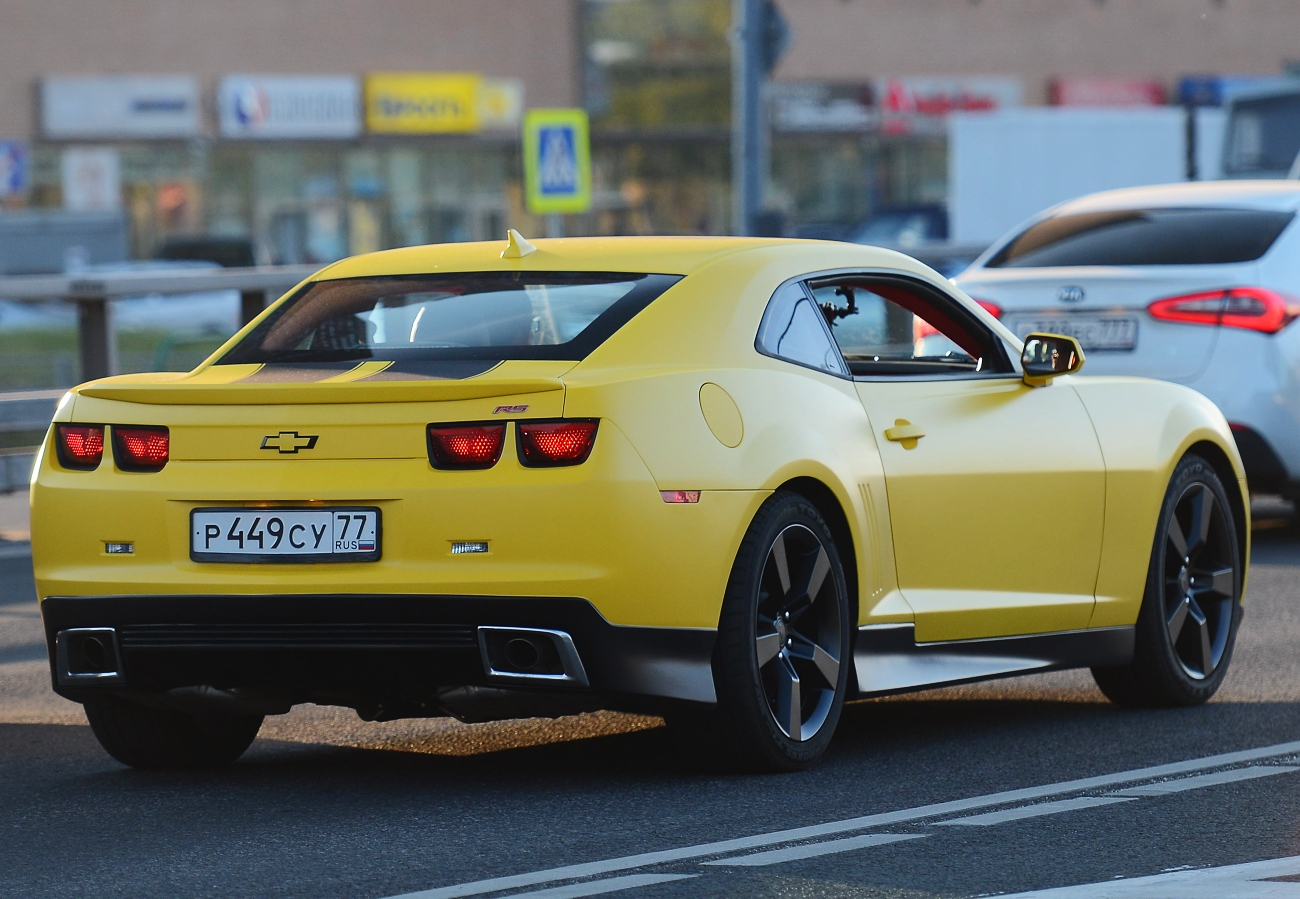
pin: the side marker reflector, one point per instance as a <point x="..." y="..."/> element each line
<point x="680" y="496"/>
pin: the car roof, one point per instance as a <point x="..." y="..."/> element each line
<point x="662" y="255"/>
<point x="1282" y="196"/>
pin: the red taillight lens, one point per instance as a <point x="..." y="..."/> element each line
<point x="466" y="446"/>
<point x="141" y="449"/>
<point x="547" y="444"/>
<point x="922" y="328"/>
<point x="1253" y="308"/>
<point x="79" y="447"/>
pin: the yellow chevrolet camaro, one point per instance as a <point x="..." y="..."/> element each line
<point x="735" y="482"/>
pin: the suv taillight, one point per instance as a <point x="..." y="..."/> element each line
<point x="141" y="449"/>
<point x="1253" y="308"/>
<point x="466" y="446"/>
<point x="550" y="444"/>
<point x="80" y="447"/>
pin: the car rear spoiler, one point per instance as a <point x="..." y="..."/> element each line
<point x="423" y="391"/>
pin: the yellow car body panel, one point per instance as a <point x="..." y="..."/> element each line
<point x="1021" y="511"/>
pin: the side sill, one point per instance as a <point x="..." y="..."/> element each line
<point x="887" y="659"/>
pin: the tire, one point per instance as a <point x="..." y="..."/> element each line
<point x="1190" y="611"/>
<point x="146" y="737"/>
<point x="782" y="659"/>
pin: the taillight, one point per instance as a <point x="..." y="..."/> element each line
<point x="546" y="444"/>
<point x="1253" y="308"/>
<point x="79" y="447"/>
<point x="466" y="446"/>
<point x="140" y="449"/>
<point x="922" y="328"/>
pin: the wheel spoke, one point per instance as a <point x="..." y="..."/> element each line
<point x="782" y="565"/>
<point x="827" y="665"/>
<point x="1221" y="581"/>
<point x="821" y="567"/>
<point x="768" y="646"/>
<point x="1176" y="538"/>
<point x="1207" y="651"/>
<point x="789" y="705"/>
<point x="1178" y="618"/>
<point x="1202" y="502"/>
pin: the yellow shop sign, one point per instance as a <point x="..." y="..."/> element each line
<point x="423" y="102"/>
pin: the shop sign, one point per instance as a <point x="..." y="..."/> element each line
<point x="1106" y="92"/>
<point x="940" y="96"/>
<point x="423" y="102"/>
<point x="809" y="106"/>
<point x="289" y="107"/>
<point x="1216" y="90"/>
<point x="92" y="179"/>
<point x="557" y="161"/>
<point x="921" y="104"/>
<point x="13" y="168"/>
<point x="146" y="106"/>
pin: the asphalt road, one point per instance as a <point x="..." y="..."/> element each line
<point x="325" y="805"/>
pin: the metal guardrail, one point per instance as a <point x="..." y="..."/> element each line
<point x="23" y="411"/>
<point x="91" y="293"/>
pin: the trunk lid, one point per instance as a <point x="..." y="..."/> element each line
<point x="1106" y="308"/>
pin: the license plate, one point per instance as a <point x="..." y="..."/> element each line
<point x="334" y="534"/>
<point x="1094" y="332"/>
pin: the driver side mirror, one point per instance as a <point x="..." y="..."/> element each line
<point x="1047" y="355"/>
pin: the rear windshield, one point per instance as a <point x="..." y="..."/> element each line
<point x="1145" y="237"/>
<point x="483" y="316"/>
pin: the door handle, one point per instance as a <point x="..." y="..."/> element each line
<point x="905" y="432"/>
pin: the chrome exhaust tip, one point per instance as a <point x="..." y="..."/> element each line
<point x="530" y="655"/>
<point x="88" y="655"/>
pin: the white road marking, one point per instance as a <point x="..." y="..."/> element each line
<point x="882" y="819"/>
<point x="1206" y="780"/>
<point x="812" y="850"/>
<point x="1034" y="811"/>
<point x="1248" y="881"/>
<point x="599" y="887"/>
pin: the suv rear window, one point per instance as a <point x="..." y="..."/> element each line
<point x="419" y="318"/>
<point x="1145" y="237"/>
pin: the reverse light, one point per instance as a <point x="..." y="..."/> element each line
<point x="79" y="447"/>
<point x="922" y="328"/>
<point x="549" y="444"/>
<point x="1252" y="308"/>
<point x="141" y="449"/>
<point x="466" y="446"/>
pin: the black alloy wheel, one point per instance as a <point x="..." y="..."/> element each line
<point x="798" y="633"/>
<point x="1190" y="612"/>
<point x="1200" y="581"/>
<point x="783" y="656"/>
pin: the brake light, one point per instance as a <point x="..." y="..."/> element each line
<point x="1253" y="308"/>
<point x="549" y="444"/>
<point x="466" y="446"/>
<point x="79" y="447"/>
<point x="141" y="449"/>
<point x="921" y="328"/>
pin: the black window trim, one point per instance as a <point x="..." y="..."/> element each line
<point x="969" y="318"/>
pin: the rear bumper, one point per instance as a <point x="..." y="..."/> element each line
<point x="367" y="651"/>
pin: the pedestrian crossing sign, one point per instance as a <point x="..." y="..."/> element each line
<point x="557" y="161"/>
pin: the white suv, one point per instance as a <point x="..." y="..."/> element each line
<point x="1195" y="283"/>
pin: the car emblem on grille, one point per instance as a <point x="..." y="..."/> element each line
<point x="289" y="442"/>
<point x="1070" y="294"/>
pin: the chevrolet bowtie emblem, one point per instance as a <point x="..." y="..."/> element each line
<point x="289" y="442"/>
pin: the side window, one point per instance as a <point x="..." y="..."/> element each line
<point x="889" y="327"/>
<point x="794" y="329"/>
